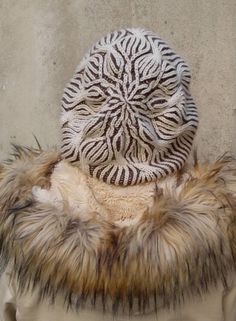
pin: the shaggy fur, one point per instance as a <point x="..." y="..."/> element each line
<point x="182" y="246"/>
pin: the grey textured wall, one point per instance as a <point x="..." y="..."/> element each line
<point x="42" y="41"/>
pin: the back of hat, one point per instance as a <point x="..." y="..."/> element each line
<point x="127" y="114"/>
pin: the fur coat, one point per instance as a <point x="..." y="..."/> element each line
<point x="148" y="249"/>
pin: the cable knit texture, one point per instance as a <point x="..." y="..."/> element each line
<point x="127" y="114"/>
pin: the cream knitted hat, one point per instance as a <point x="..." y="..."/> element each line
<point x="127" y="114"/>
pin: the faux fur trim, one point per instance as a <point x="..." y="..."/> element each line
<point x="182" y="246"/>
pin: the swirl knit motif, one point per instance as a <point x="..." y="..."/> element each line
<point x="127" y="114"/>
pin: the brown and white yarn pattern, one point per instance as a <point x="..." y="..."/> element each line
<point x="127" y="114"/>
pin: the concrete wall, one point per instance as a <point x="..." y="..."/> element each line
<point x="42" y="41"/>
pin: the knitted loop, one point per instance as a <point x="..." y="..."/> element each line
<point x="127" y="114"/>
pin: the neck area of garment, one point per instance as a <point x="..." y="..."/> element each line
<point x="87" y="195"/>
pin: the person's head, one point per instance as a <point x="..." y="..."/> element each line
<point x="127" y="114"/>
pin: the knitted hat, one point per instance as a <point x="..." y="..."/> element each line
<point x="127" y="114"/>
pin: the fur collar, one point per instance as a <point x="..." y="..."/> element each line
<point x="182" y="245"/>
